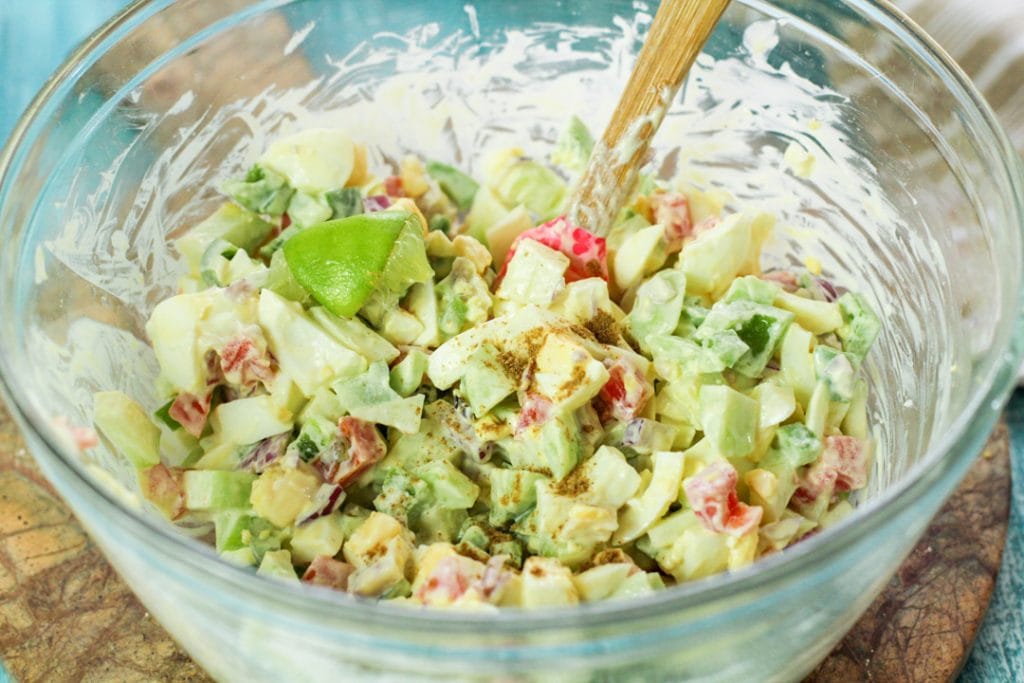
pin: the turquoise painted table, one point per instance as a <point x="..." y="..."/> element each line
<point x="36" y="35"/>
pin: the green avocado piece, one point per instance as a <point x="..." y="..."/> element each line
<point x="729" y="419"/>
<point x="860" y="325"/>
<point x="261" y="191"/>
<point x="217" y="489"/>
<point x="342" y="262"/>
<point x="513" y="492"/>
<point x="459" y="187"/>
<point x="230" y="223"/>
<point x="128" y="428"/>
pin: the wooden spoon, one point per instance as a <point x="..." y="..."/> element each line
<point x="679" y="30"/>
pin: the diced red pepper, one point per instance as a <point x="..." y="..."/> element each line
<point x="588" y="253"/>
<point x="850" y="458"/>
<point x="393" y="186"/>
<point x="286" y="220"/>
<point x="706" y="225"/>
<point x="784" y="278"/>
<point x="84" y="437"/>
<point x="819" y="480"/>
<point x="625" y="393"/>
<point x="844" y="464"/>
<point x="191" y="411"/>
<point x="447" y="583"/>
<point x="328" y="572"/>
<point x="244" y="362"/>
<point x="163" y="487"/>
<point x="712" y="496"/>
<point x="365" y="448"/>
<point x="535" y="411"/>
<point x="671" y="210"/>
<point x="494" y="578"/>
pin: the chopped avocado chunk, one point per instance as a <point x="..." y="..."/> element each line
<point x="307" y="209"/>
<point x="676" y="358"/>
<point x="860" y="325"/>
<point x="342" y="262"/>
<point x="260" y="191"/>
<point x="574" y="146"/>
<point x="348" y="201"/>
<point x="216" y="490"/>
<point x="658" y="305"/>
<point x="370" y="397"/>
<point x="729" y="419"/>
<point x="452" y="489"/>
<point x="487" y="380"/>
<point x="459" y="187"/>
<point x="513" y="492"/>
<point x="464" y="299"/>
<point x="314" y="437"/>
<point x="128" y="428"/>
<point x="230" y="223"/>
<point x="439" y="223"/>
<point x="753" y="289"/>
<point x="535" y="186"/>
<point x="407" y="376"/>
<point x="760" y="327"/>
<point x="835" y="369"/>
<point x="277" y="564"/>
<point x="796" y="445"/>
<point x="487" y="210"/>
<point x="557" y="447"/>
<point x="404" y="496"/>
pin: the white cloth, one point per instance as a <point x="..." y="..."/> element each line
<point x="987" y="41"/>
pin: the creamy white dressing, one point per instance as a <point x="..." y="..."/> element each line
<point x="728" y="128"/>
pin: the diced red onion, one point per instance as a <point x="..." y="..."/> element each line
<point x="377" y="202"/>
<point x="265" y="452"/>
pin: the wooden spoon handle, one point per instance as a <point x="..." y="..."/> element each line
<point x="679" y="30"/>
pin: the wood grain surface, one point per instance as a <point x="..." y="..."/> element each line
<point x="65" y="616"/>
<point x="922" y="626"/>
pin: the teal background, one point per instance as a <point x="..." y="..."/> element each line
<point x="36" y="36"/>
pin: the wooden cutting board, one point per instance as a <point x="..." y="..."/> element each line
<point x="65" y="616"/>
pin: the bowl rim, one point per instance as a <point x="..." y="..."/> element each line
<point x="942" y="460"/>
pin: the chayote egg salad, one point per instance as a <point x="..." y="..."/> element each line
<point x="420" y="387"/>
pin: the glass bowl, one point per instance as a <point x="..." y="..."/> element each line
<point x="913" y="197"/>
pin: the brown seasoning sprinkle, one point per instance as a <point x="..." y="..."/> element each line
<point x="567" y="389"/>
<point x="575" y="484"/>
<point x="604" y="328"/>
<point x="513" y="364"/>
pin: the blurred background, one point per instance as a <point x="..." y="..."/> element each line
<point x="987" y="40"/>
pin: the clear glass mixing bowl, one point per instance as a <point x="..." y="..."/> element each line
<point x="915" y="197"/>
